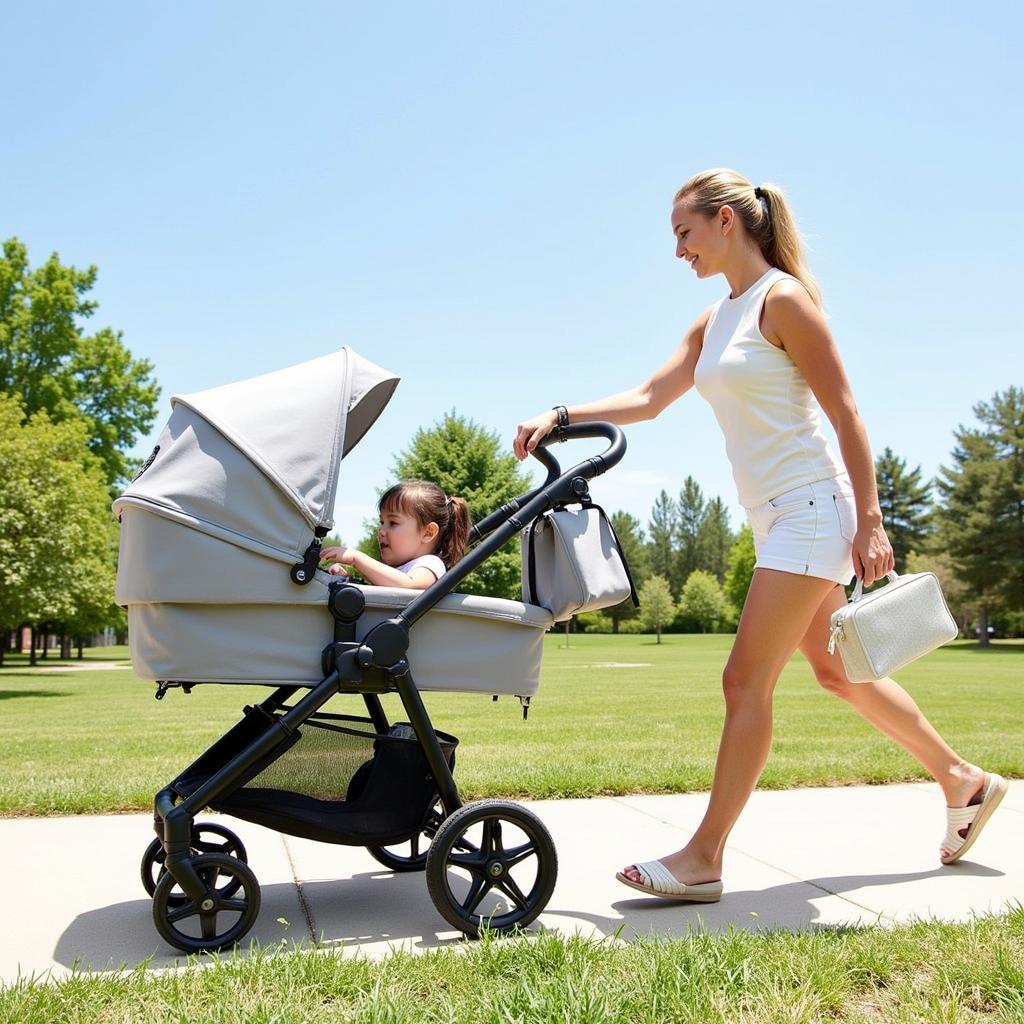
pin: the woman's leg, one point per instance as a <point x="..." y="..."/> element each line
<point x="891" y="710"/>
<point x="776" y="616"/>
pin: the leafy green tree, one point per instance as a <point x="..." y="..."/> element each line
<point x="56" y="567"/>
<point x="714" y="540"/>
<point x="740" y="569"/>
<point x="982" y="515"/>
<point x="469" y="461"/>
<point x="906" y="505"/>
<point x="47" y="359"/>
<point x="703" y="603"/>
<point x="657" y="607"/>
<point x="692" y="510"/>
<point x="631" y="540"/>
<point x="663" y="529"/>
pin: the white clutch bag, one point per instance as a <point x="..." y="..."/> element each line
<point x="881" y="632"/>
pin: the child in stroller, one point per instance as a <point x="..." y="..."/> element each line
<point x="220" y="547"/>
<point x="422" y="532"/>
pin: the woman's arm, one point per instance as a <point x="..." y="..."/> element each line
<point x="379" y="574"/>
<point x="670" y="381"/>
<point x="792" y="320"/>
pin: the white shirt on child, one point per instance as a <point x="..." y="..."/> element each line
<point x="431" y="562"/>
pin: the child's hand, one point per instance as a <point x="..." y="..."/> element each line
<point x="344" y="555"/>
<point x="337" y="570"/>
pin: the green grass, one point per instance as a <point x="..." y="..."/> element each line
<point x="931" y="972"/>
<point x="91" y="742"/>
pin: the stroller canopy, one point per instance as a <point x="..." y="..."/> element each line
<point x="256" y="462"/>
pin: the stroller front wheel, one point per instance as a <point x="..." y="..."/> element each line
<point x="492" y="864"/>
<point x="207" y="837"/>
<point x="215" y="921"/>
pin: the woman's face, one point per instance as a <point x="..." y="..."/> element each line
<point x="701" y="241"/>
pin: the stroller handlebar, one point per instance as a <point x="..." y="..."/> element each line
<point x="576" y="431"/>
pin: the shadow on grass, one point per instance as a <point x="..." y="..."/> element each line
<point x="6" y="694"/>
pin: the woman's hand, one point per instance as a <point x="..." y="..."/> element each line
<point x="872" y="553"/>
<point x="528" y="434"/>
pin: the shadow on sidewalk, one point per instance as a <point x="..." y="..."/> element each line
<point x="381" y="907"/>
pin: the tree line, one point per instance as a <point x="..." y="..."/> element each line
<point x="71" y="406"/>
<point x="693" y="570"/>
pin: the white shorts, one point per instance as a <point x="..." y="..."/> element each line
<point x="808" y="530"/>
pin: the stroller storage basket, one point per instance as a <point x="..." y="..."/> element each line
<point x="334" y="779"/>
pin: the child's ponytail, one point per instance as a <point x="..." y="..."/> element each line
<point x="454" y="533"/>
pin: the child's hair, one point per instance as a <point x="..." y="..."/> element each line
<point x="765" y="215"/>
<point x="427" y="503"/>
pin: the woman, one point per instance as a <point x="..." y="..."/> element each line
<point x="761" y="356"/>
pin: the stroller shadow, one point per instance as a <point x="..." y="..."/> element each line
<point x="381" y="907"/>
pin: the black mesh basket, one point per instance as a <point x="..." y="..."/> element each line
<point x="335" y="779"/>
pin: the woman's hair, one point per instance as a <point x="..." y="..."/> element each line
<point x="427" y="503"/>
<point x="765" y="214"/>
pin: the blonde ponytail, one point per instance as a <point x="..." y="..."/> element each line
<point x="764" y="213"/>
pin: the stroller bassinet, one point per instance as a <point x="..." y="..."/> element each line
<point x="220" y="541"/>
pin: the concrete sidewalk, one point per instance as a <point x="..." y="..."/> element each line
<point x="799" y="859"/>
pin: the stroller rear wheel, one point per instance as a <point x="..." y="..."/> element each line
<point x="410" y="855"/>
<point x="492" y="864"/>
<point x="215" y="921"/>
<point x="207" y="837"/>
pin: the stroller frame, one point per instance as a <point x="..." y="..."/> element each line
<point x="188" y="879"/>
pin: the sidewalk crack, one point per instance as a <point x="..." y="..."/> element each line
<point x="307" y="911"/>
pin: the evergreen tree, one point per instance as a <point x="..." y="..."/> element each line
<point x="47" y="359"/>
<point x="631" y="540"/>
<point x="905" y="502"/>
<point x="662" y="529"/>
<point x="714" y="540"/>
<point x="692" y="510"/>
<point x="982" y="516"/>
<point x="470" y="462"/>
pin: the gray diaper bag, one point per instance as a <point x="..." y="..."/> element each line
<point x="572" y="562"/>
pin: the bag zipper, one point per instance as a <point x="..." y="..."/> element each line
<point x="837" y="632"/>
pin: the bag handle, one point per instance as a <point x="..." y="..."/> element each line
<point x="858" y="587"/>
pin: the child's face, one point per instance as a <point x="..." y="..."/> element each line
<point x="402" y="538"/>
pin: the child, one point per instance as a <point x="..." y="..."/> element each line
<point x="422" y="532"/>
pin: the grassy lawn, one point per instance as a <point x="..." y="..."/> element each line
<point x="614" y="715"/>
<point x="933" y="972"/>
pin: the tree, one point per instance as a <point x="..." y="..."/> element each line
<point x="982" y="516"/>
<point x="905" y="502"/>
<point x="468" y="461"/>
<point x="55" y="528"/>
<point x="692" y="510"/>
<point x="714" y="539"/>
<point x="657" y="608"/>
<point x="703" y="602"/>
<point x="663" y="528"/>
<point x="740" y="570"/>
<point x="47" y="359"/>
<point x="631" y="541"/>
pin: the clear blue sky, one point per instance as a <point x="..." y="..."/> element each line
<point x="477" y="197"/>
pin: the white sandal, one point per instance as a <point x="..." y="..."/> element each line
<point x="973" y="817"/>
<point x="659" y="881"/>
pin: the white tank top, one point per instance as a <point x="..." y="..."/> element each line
<point x="771" y="421"/>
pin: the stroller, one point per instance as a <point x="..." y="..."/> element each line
<point x="220" y="545"/>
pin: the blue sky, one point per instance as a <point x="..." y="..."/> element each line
<point x="476" y="196"/>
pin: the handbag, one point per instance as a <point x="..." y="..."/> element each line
<point x="880" y="632"/>
<point x="572" y="562"/>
